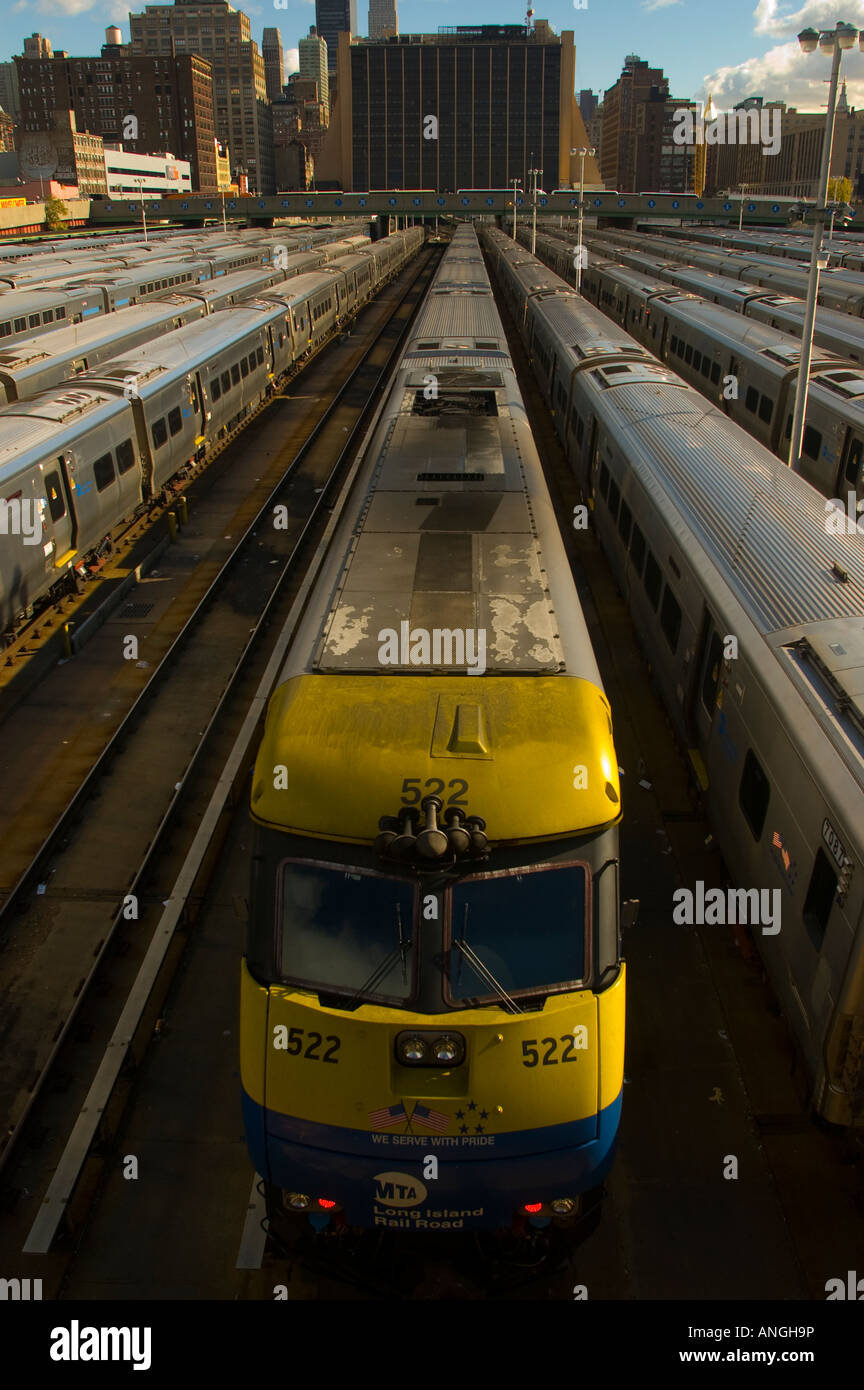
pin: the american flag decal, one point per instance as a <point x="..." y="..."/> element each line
<point x="389" y="1115"/>
<point x="431" y="1119"/>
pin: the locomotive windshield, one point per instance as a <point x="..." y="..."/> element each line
<point x="346" y="931"/>
<point x="522" y="931"/>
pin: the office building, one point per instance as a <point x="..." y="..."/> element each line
<point x="149" y="175"/>
<point x="383" y="19"/>
<point x="313" y="64"/>
<point x="332" y="18"/>
<point x="9" y="99"/>
<point x="148" y="103"/>
<point x="65" y="154"/>
<point x="274" y="63"/>
<point x="222" y="36"/>
<point x="470" y="107"/>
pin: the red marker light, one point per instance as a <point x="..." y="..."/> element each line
<point x="533" y="1207"/>
<point x="326" y="1203"/>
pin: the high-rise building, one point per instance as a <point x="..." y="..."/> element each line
<point x="274" y="63"/>
<point x="9" y="98"/>
<point x="7" y="132"/>
<point x="148" y="104"/>
<point x="471" y="107"/>
<point x="638" y="153"/>
<point x="383" y="19"/>
<point x="222" y="35"/>
<point x="332" y="18"/>
<point x="37" y="47"/>
<point x="588" y="104"/>
<point x="313" y="63"/>
<point x="793" y="171"/>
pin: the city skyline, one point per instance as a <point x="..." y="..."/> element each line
<point x="755" y="52"/>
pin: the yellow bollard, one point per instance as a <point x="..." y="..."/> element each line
<point x="184" y="511"/>
<point x="67" y="641"/>
<point x="172" y="525"/>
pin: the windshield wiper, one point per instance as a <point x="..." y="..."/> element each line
<point x="382" y="971"/>
<point x="480" y="969"/>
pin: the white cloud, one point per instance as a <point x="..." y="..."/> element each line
<point x="292" y="61"/>
<point x="784" y="73"/>
<point x="659" y="4"/>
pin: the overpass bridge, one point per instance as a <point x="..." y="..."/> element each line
<point x="423" y="204"/>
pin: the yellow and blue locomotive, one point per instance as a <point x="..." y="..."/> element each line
<point x="432" y="1015"/>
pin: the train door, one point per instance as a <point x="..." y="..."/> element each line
<point x="58" y="497"/>
<point x="706" y="681"/>
<point x="850" y="475"/>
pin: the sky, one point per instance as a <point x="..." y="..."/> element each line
<point x="732" y="49"/>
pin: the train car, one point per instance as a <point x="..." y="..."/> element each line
<point x="749" y="369"/>
<point x="69" y="351"/>
<point x="746" y="589"/>
<point x="175" y="399"/>
<point x="393" y="1005"/>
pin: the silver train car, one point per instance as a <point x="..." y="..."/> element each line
<point x="89" y="453"/>
<point x="746" y="589"/>
<point x="714" y="349"/>
<point x="834" y="330"/>
<point x="838" y="289"/>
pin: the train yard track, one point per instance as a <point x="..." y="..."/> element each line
<point x="81" y="917"/>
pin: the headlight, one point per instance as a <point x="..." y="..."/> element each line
<point x="298" y="1201"/>
<point x="563" y="1206"/>
<point x="430" y="1049"/>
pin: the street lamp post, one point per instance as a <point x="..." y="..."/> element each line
<point x="582" y="153"/>
<point x="224" y="223"/>
<point x="140" y="183"/>
<point x="832" y="41"/>
<point x="517" y="183"/>
<point x="741" y="209"/>
<point x="535" y="174"/>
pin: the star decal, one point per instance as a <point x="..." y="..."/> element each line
<point x="484" y="1114"/>
<point x="478" y="1129"/>
<point x="460" y="1114"/>
<point x="471" y="1105"/>
<point x="463" y="1129"/>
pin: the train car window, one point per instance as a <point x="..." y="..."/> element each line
<point x="637" y="550"/>
<point x="715" y="372"/>
<point x="673" y="345"/>
<point x="34" y="320"/>
<point x="159" y="433"/>
<point x="751" y="400"/>
<point x="688" y="354"/>
<point x="697" y="361"/>
<point x="259" y="354"/>
<point x="706" y="367"/>
<point x="614" y="498"/>
<point x="820" y="898"/>
<point x="61" y="313"/>
<point x="54" y="494"/>
<point x="235" y="373"/>
<point x="103" y="472"/>
<point x="712" y="672"/>
<point x="625" y="522"/>
<point x="788" y="430"/>
<point x="20" y="325"/>
<point x="766" y="409"/>
<point x="753" y="794"/>
<point x="812" y="443"/>
<point x="652" y="580"/>
<point x="670" y="619"/>
<point x="215" y="388"/>
<point x="175" y="421"/>
<point x="226" y="381"/>
<point x="244" y="366"/>
<point x="125" y="456"/>
<point x="604" y="481"/>
<point x="5" y="330"/>
<point x="853" y="463"/>
<point x="48" y="316"/>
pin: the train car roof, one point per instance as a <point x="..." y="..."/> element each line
<point x="31" y="427"/>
